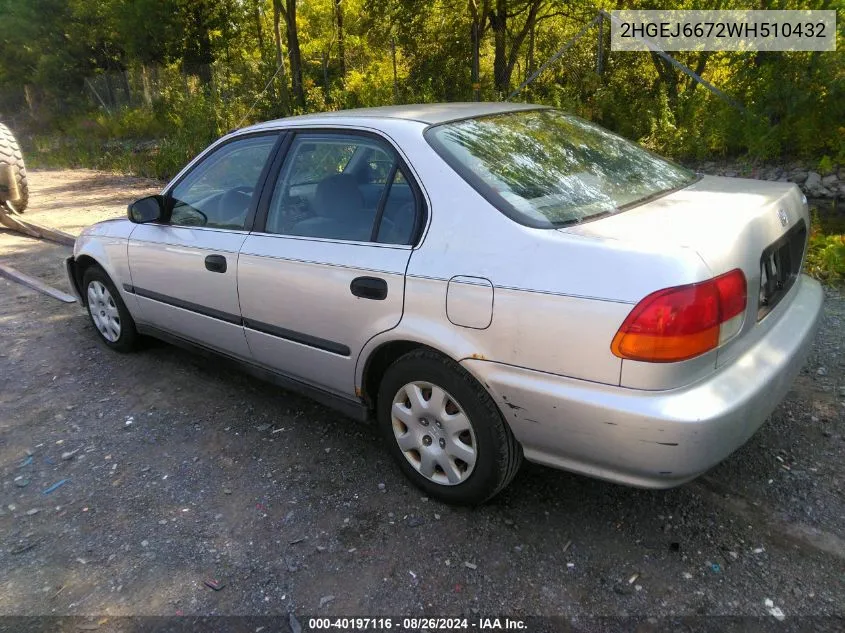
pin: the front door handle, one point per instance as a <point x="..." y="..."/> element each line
<point x="369" y="288"/>
<point x="215" y="263"/>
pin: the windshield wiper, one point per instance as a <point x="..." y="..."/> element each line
<point x="589" y="218"/>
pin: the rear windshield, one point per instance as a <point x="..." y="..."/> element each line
<point x="545" y="168"/>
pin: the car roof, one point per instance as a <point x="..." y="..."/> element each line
<point x="428" y="113"/>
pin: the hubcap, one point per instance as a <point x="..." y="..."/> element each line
<point x="434" y="433"/>
<point x="103" y="311"/>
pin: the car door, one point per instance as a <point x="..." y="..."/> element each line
<point x="184" y="271"/>
<point x="323" y="271"/>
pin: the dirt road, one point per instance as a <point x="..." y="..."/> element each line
<point x="176" y="471"/>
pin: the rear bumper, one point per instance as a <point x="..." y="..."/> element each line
<point x="655" y="439"/>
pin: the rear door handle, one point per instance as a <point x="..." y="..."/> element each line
<point x="369" y="288"/>
<point x="215" y="263"/>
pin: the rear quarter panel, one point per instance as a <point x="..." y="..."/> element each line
<point x="558" y="299"/>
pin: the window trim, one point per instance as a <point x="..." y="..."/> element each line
<point x="199" y="160"/>
<point x="280" y="162"/>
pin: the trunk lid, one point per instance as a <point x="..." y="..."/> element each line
<point x="759" y="227"/>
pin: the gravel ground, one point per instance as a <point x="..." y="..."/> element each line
<point x="175" y="471"/>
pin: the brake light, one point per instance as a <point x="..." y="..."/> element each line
<point x="679" y="323"/>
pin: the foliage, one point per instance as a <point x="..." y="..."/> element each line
<point x="180" y="72"/>
<point x="826" y="253"/>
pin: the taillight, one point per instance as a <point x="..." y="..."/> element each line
<point x="685" y="321"/>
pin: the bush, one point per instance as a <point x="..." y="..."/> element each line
<point x="826" y="256"/>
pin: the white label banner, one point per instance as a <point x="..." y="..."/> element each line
<point x="735" y="30"/>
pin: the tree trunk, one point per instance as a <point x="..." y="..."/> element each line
<point x="259" y="31"/>
<point x="127" y="89"/>
<point x="326" y="87"/>
<point x="395" y="76"/>
<point x="341" y="51"/>
<point x="529" y="56"/>
<point x="477" y="21"/>
<point x="504" y="60"/>
<point x="281" y="75"/>
<point x="668" y="76"/>
<point x="110" y="96"/>
<point x="31" y="100"/>
<point x="146" y="89"/>
<point x="499" y="25"/>
<point x="294" y="55"/>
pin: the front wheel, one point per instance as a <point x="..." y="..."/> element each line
<point x="444" y="430"/>
<point x="111" y="318"/>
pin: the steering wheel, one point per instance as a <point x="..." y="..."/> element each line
<point x="234" y="204"/>
<point x="186" y="215"/>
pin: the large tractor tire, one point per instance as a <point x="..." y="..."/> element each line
<point x="10" y="154"/>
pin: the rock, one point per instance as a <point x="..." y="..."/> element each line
<point x="798" y="177"/>
<point x="415" y="521"/>
<point x="295" y="626"/>
<point x="827" y="181"/>
<point x="622" y="590"/>
<point x="325" y="600"/>
<point x="381" y="486"/>
<point x="813" y="184"/>
<point x="469" y="565"/>
<point x="822" y="371"/>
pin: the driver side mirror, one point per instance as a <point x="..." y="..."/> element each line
<point x="149" y="209"/>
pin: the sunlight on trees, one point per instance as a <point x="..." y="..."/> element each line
<point x="83" y="74"/>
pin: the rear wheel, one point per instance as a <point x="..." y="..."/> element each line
<point x="111" y="318"/>
<point x="444" y="430"/>
<point x="10" y="154"/>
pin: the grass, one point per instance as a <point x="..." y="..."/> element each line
<point x="160" y="159"/>
<point x="826" y="251"/>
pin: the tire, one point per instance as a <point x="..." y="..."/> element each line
<point x="425" y="402"/>
<point x="109" y="316"/>
<point x="10" y="154"/>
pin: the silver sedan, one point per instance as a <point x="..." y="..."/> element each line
<point x="487" y="281"/>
